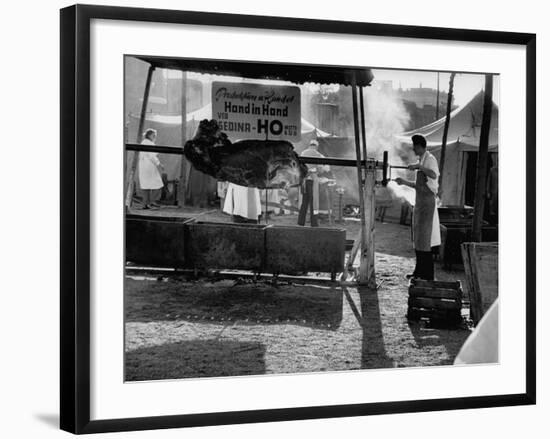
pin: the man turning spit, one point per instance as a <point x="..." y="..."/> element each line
<point x="425" y="212"/>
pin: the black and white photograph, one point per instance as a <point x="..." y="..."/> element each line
<point x="274" y="219"/>
<point x="294" y="218"/>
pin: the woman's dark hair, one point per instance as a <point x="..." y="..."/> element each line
<point x="419" y="139"/>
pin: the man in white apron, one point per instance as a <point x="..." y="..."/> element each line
<point x="149" y="171"/>
<point x="425" y="217"/>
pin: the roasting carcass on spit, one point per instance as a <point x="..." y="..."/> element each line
<point x="254" y="163"/>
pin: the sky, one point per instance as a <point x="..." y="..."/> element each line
<point x="466" y="85"/>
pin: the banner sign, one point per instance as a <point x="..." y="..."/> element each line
<point x="257" y="111"/>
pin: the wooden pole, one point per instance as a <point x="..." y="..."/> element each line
<point x="445" y="132"/>
<point x="135" y="158"/>
<point x="182" y="187"/>
<point x="363" y="130"/>
<point x="364" y="251"/>
<point x="370" y="201"/>
<point x="481" y="179"/>
<point x="370" y="205"/>
<point x="353" y="254"/>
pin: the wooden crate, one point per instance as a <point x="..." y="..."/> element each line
<point x="481" y="268"/>
<point x="438" y="301"/>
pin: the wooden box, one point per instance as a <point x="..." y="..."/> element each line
<point x="155" y="241"/>
<point x="438" y="301"/>
<point x="225" y="245"/>
<point x="296" y="250"/>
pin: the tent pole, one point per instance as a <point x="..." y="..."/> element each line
<point x="481" y="180"/>
<point x="135" y="158"/>
<point x="445" y="132"/>
<point x="182" y="187"/>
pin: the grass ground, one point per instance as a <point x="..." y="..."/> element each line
<point x="178" y="327"/>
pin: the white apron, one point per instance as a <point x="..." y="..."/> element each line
<point x="243" y="201"/>
<point x="435" y="239"/>
<point x="149" y="175"/>
<point x="436" y="233"/>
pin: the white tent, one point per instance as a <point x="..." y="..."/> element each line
<point x="462" y="137"/>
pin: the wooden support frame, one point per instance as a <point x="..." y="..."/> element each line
<point x="366" y="191"/>
<point x="366" y="270"/>
<point x="366" y="170"/>
<point x="363" y="129"/>
<point x="362" y="278"/>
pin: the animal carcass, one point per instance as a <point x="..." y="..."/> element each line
<point x="254" y="163"/>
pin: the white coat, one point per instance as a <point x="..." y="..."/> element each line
<point x="149" y="175"/>
<point x="243" y="201"/>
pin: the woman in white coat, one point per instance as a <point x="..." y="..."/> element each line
<point x="149" y="171"/>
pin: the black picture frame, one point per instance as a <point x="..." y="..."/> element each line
<point x="75" y="217"/>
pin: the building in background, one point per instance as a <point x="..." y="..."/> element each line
<point x="421" y="104"/>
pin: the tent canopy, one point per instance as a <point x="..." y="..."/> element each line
<point x="296" y="73"/>
<point x="464" y="128"/>
<point x="463" y="136"/>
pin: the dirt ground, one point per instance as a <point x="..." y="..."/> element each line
<point x="178" y="327"/>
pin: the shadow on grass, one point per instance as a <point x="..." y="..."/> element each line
<point x="306" y="305"/>
<point x="450" y="338"/>
<point x="373" y="350"/>
<point x="195" y="358"/>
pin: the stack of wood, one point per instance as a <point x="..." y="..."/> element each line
<point x="438" y="301"/>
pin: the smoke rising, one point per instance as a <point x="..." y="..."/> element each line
<point x="385" y="116"/>
<point x="403" y="193"/>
